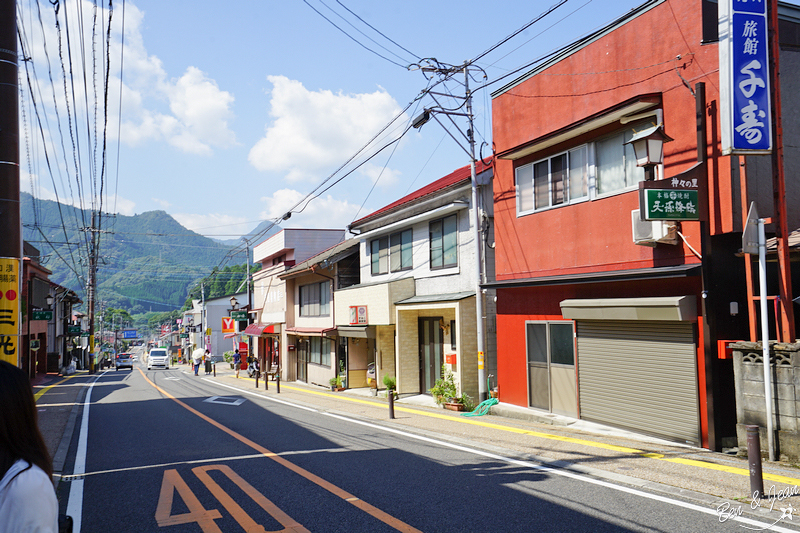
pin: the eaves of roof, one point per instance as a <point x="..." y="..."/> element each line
<point x="330" y="253"/>
<point x="454" y="178"/>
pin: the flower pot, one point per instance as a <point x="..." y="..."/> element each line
<point x="453" y="406"/>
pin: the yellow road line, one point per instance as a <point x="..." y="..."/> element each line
<point x="41" y="392"/>
<point x="323" y="483"/>
<point x="583" y="442"/>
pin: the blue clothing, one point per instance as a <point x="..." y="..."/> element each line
<point x="237" y="358"/>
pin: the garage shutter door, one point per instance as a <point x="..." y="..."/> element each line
<point x="639" y="375"/>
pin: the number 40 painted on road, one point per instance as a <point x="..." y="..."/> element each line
<point x="173" y="482"/>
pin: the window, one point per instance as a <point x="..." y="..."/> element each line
<point x="554" y="181"/>
<point x="550" y="342"/>
<point x="453" y="334"/>
<point x="444" y="242"/>
<point x="604" y="166"/>
<point x="392" y="253"/>
<point x="315" y="299"/>
<point x="400" y="253"/>
<point x="616" y="163"/>
<point x="319" y="351"/>
<point x="379" y="253"/>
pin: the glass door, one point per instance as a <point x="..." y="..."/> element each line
<point x="302" y="359"/>
<point x="431" y="342"/>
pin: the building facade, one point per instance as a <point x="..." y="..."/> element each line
<point x="601" y="315"/>
<point x="414" y="310"/>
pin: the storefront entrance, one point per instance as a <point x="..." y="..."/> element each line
<point x="431" y="346"/>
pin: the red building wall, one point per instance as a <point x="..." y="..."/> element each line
<point x="643" y="57"/>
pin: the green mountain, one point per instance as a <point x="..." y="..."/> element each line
<point x="146" y="261"/>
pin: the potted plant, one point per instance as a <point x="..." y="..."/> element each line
<point x="445" y="392"/>
<point x="391" y="385"/>
<point x="336" y="383"/>
<point x="228" y="356"/>
<point x="444" y="389"/>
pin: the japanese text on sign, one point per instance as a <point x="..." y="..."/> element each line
<point x="662" y="204"/>
<point x="9" y="309"/>
<point x="744" y="71"/>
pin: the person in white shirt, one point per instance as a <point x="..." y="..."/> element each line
<point x="28" y="500"/>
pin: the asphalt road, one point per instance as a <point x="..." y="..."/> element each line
<point x="169" y="451"/>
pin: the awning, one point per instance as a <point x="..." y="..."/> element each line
<point x="359" y="332"/>
<point x="305" y="332"/>
<point x="432" y="298"/>
<point x="676" y="308"/>
<point x="229" y="335"/>
<point x="256" y="330"/>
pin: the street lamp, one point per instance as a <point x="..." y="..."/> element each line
<point x="234" y="303"/>
<point x="50" y="301"/>
<point x="648" y="145"/>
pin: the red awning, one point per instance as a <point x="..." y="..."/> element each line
<point x="255" y="329"/>
<point x="229" y="335"/>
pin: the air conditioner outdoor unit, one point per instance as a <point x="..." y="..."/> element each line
<point x="652" y="232"/>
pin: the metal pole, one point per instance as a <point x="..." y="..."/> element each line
<point x="482" y="393"/>
<point x="390" y="396"/>
<point x="762" y="285"/>
<point x="785" y="329"/>
<point x="754" y="462"/>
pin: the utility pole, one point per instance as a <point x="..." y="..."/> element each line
<point x="482" y="385"/>
<point x="10" y="219"/>
<point x="91" y="292"/>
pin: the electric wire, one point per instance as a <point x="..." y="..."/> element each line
<point x="379" y="32"/>
<point x="351" y="37"/>
<point x="361" y="32"/>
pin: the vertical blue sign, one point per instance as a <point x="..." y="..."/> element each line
<point x="751" y="120"/>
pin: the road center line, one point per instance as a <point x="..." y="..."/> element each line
<point x="327" y="485"/>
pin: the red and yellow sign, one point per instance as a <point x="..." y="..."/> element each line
<point x="227" y="325"/>
<point x="9" y="309"/>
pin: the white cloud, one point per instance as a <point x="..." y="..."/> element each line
<point x="324" y="212"/>
<point x="217" y="225"/>
<point x="311" y="131"/>
<point x="384" y="176"/>
<point x="163" y="203"/>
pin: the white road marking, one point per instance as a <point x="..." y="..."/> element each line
<point x="527" y="464"/>
<point x="75" y="502"/>
<point x="225" y="400"/>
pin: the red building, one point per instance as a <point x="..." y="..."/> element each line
<point x="601" y="316"/>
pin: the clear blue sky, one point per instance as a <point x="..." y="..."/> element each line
<point x="231" y="113"/>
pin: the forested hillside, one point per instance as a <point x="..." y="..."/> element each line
<point x="147" y="262"/>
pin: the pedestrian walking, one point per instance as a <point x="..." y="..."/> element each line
<point x="197" y="357"/>
<point x="237" y="362"/>
<point x="27" y="497"/>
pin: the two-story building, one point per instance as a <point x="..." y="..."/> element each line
<point x="414" y="309"/>
<point x="602" y="315"/>
<point x="273" y="306"/>
<point x="321" y="353"/>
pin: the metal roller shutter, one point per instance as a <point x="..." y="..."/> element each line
<point x="639" y="375"/>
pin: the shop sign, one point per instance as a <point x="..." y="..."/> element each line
<point x="358" y="315"/>
<point x="42" y="315"/>
<point x="746" y="119"/>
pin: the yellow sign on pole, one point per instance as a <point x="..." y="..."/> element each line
<point x="480" y="360"/>
<point x="9" y="310"/>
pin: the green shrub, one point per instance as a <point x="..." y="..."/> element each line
<point x="390" y="382"/>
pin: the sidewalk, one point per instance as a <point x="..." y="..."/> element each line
<point x="58" y="400"/>
<point x="708" y="478"/>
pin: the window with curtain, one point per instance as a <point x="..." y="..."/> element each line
<point x="392" y="253"/>
<point x="555" y="181"/>
<point x="400" y="251"/>
<point x="315" y="299"/>
<point x="604" y="166"/>
<point x="319" y="351"/>
<point x="444" y="242"/>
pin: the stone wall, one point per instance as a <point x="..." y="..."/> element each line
<point x="748" y="370"/>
